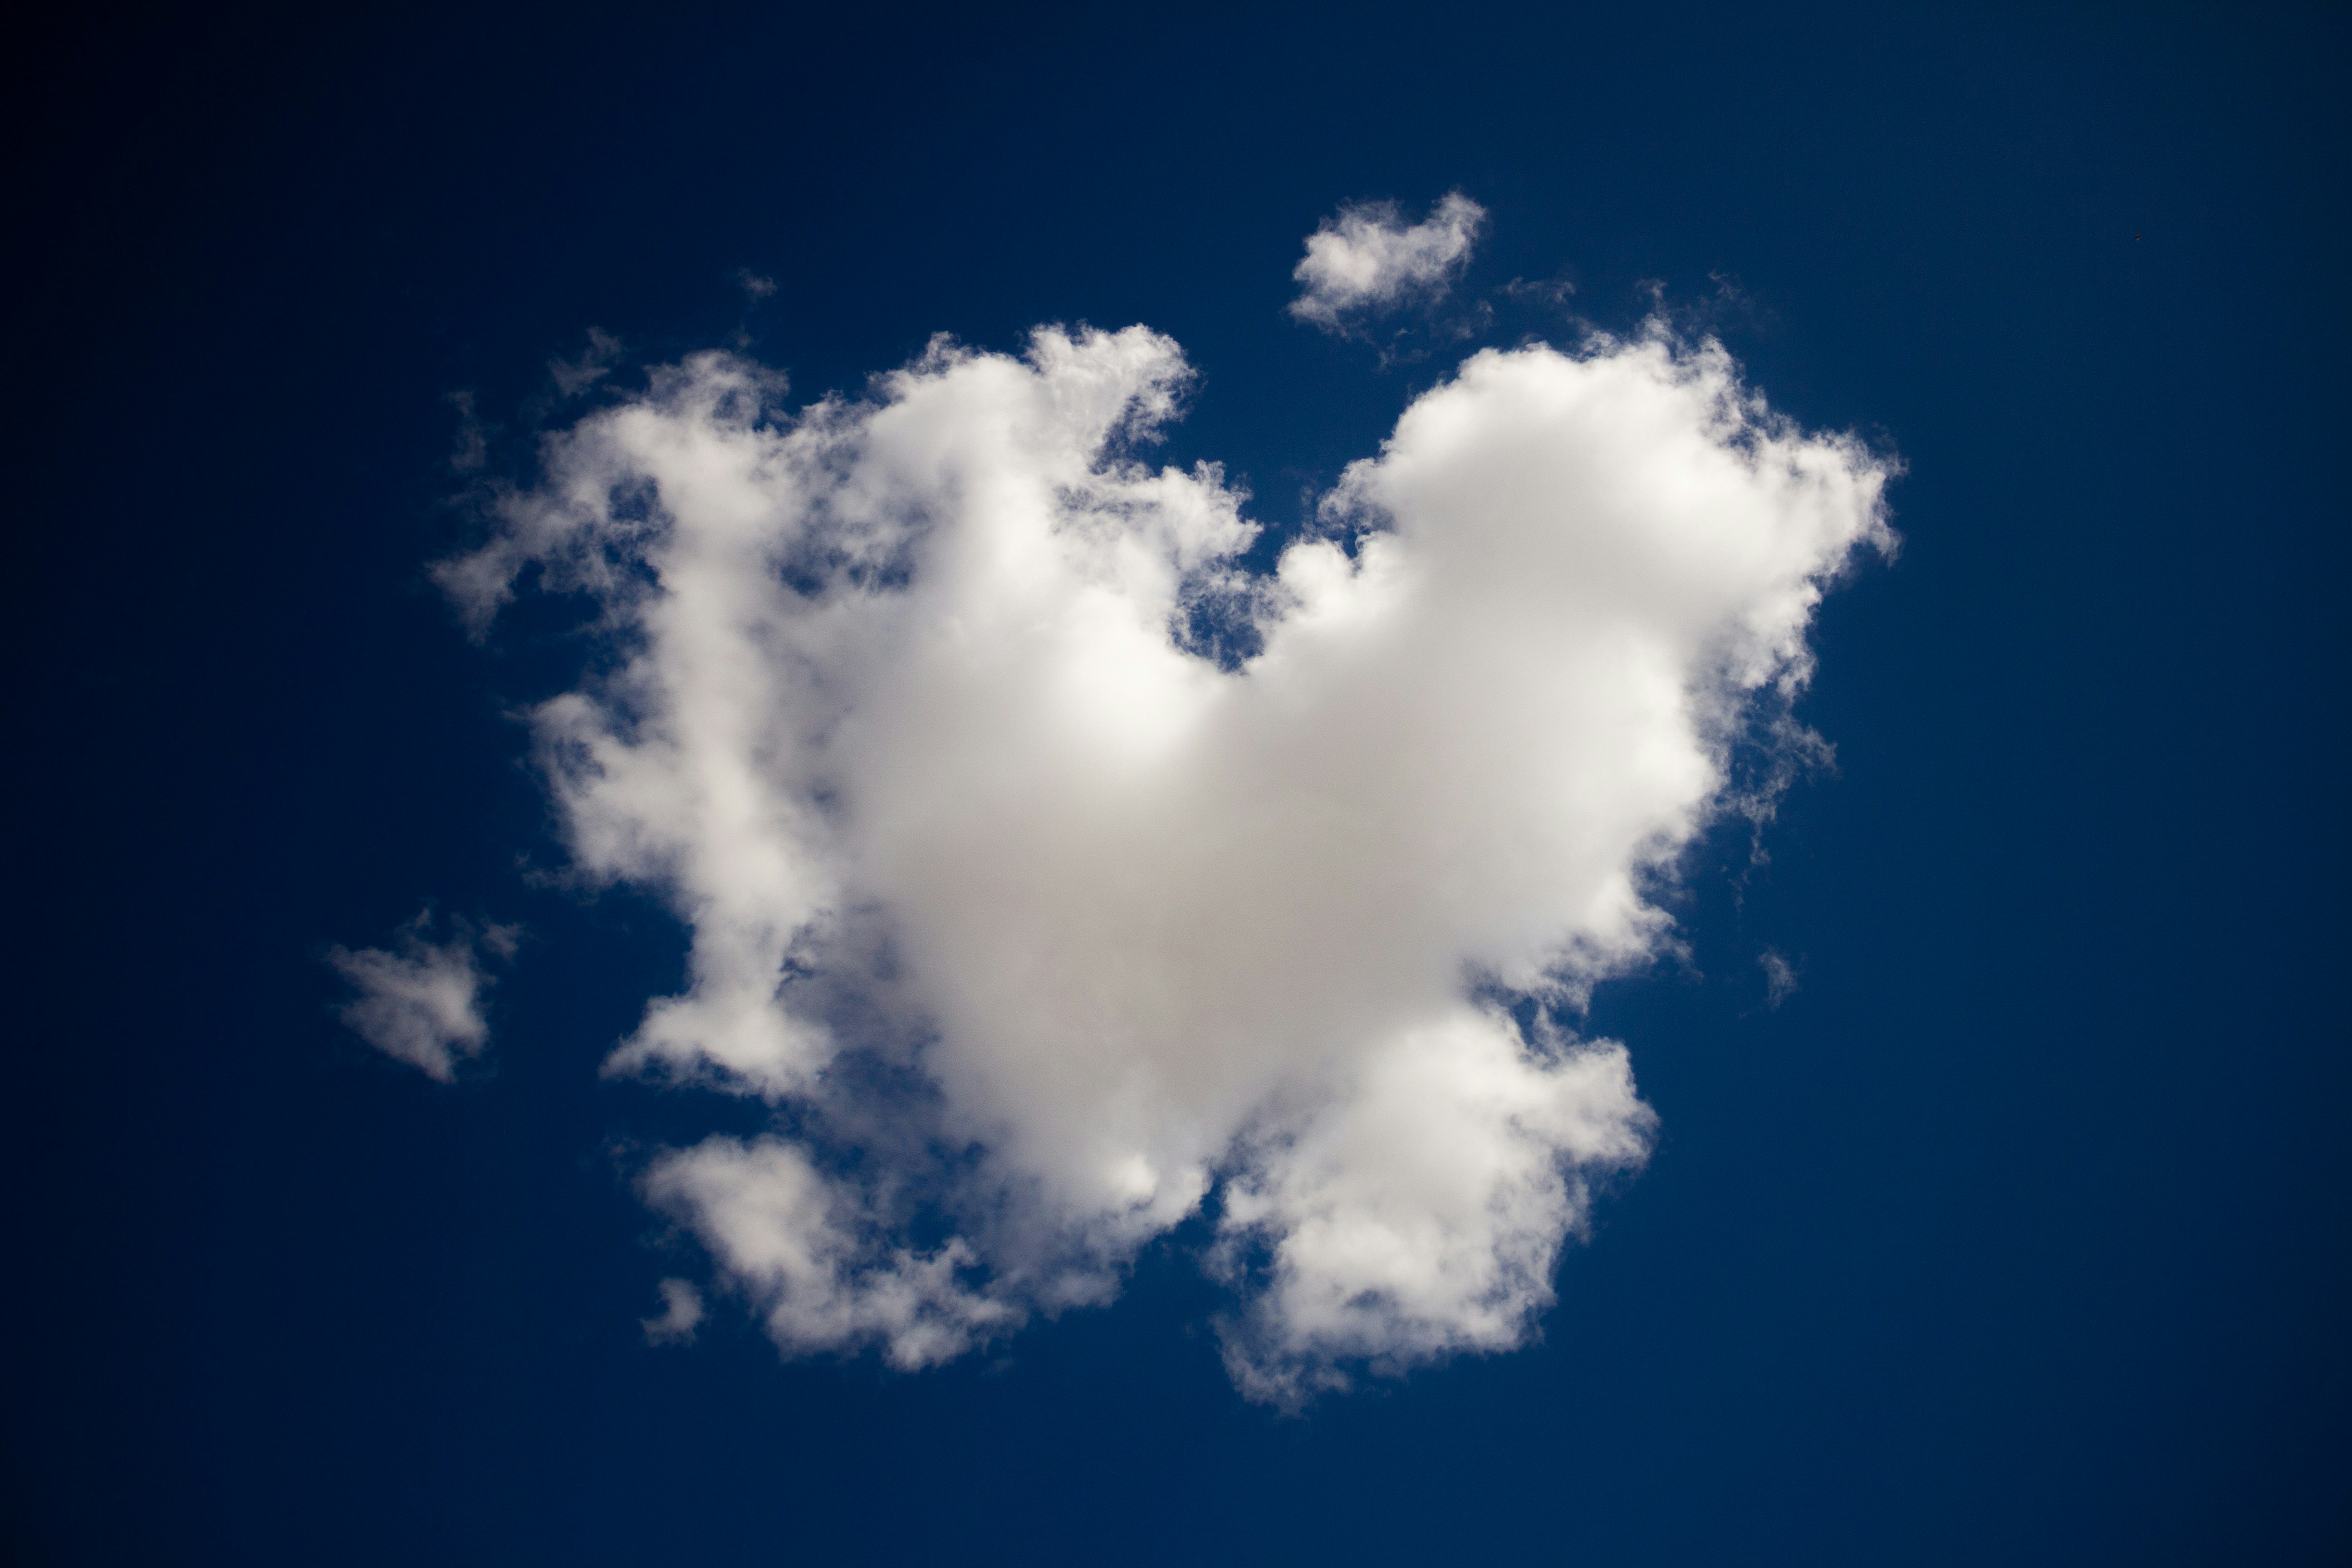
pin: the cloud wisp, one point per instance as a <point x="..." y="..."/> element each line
<point x="1044" y="928"/>
<point x="422" y="1002"/>
<point x="1368" y="260"/>
<point x="682" y="1314"/>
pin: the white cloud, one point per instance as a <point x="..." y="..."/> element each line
<point x="574" y="376"/>
<point x="1042" y="929"/>
<point x="682" y="1314"/>
<point x="1367" y="259"/>
<point x="423" y="1004"/>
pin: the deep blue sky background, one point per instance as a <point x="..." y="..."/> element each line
<point x="2019" y="1233"/>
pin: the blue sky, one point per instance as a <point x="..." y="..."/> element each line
<point x="1945" y="1168"/>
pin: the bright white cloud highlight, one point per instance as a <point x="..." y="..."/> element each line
<point x="1042" y="929"/>
<point x="1368" y="259"/>
<point x="422" y="1004"/>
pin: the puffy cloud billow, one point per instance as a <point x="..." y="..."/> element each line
<point x="1056" y="881"/>
<point x="1368" y="259"/>
<point x="421" y="1003"/>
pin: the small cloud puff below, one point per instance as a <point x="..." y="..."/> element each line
<point x="422" y="1004"/>
<point x="682" y="1314"/>
<point x="574" y="376"/>
<point x="1366" y="260"/>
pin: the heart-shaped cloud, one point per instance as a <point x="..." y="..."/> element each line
<point x="1055" y="878"/>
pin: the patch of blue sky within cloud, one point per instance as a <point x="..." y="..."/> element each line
<point x="901" y="720"/>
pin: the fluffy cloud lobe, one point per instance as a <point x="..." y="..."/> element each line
<point x="1044" y="928"/>
<point x="422" y="1002"/>
<point x="1368" y="259"/>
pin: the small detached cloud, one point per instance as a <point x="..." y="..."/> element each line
<point x="1779" y="977"/>
<point x="1551" y="292"/>
<point x="574" y="376"/>
<point x="1367" y="261"/>
<point x="471" y="448"/>
<point x="682" y="1314"/>
<point x="422" y="1004"/>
